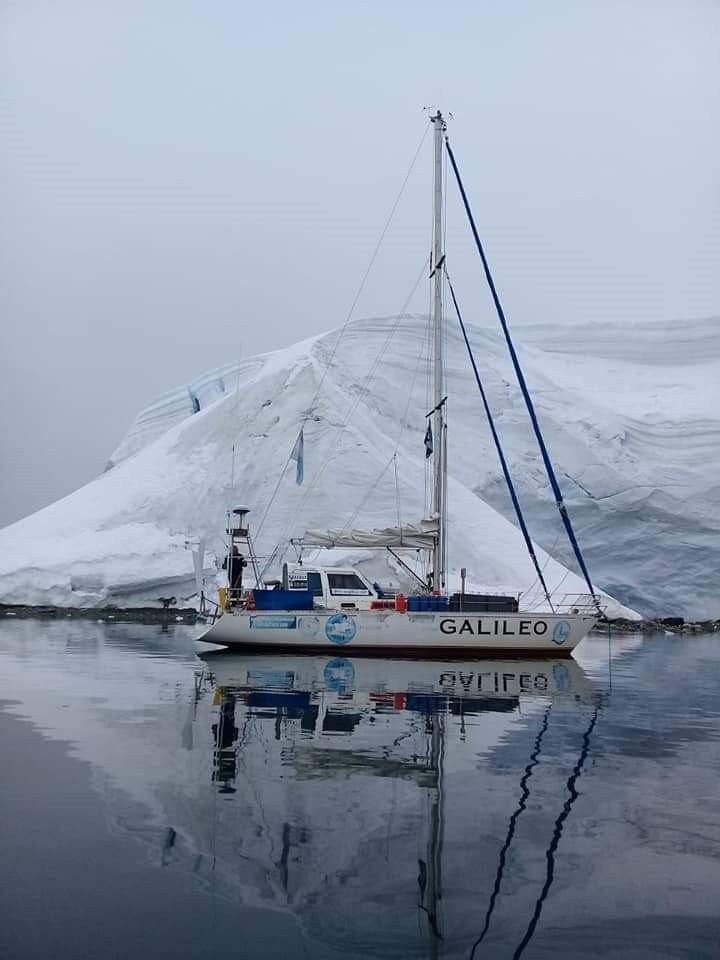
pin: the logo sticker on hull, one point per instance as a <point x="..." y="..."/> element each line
<point x="309" y="626"/>
<point x="561" y="632"/>
<point x="273" y="623"/>
<point x="340" y="628"/>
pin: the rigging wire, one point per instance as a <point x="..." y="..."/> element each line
<point x="364" y="385"/>
<point x="370" y="265"/>
<point x="367" y="496"/>
<point x="274" y="493"/>
<point x="531" y="589"/>
<point x="498" y="447"/>
<point x="521" y="380"/>
<point x="403" y="426"/>
<point x="397" y="491"/>
<point x="348" y="317"/>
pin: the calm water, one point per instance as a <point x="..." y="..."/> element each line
<point x="153" y="805"/>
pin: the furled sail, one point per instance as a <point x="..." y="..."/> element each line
<point x="418" y="536"/>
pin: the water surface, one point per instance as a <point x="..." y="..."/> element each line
<point x="154" y="805"/>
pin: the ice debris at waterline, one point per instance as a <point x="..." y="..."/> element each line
<point x="629" y="413"/>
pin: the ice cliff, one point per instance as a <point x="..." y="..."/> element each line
<point x="630" y="415"/>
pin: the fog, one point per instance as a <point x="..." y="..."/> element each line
<point x="184" y="183"/>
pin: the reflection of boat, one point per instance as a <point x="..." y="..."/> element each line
<point x="396" y="721"/>
<point x="318" y="609"/>
<point x="430" y="686"/>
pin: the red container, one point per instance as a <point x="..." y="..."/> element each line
<point x="401" y="603"/>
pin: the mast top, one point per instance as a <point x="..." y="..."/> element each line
<point x="437" y="117"/>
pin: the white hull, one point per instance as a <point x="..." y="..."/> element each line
<point x="387" y="632"/>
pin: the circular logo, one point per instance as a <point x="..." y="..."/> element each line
<point x="340" y="628"/>
<point x="561" y="632"/>
<point x="308" y="626"/>
<point x="339" y="674"/>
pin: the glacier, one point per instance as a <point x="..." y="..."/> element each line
<point x="630" y="414"/>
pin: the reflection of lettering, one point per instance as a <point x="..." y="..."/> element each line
<point x="493" y="682"/>
<point x="507" y="682"/>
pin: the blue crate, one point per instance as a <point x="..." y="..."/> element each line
<point x="283" y="599"/>
<point x="426" y="604"/>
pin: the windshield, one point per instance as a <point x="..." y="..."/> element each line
<point x="349" y="583"/>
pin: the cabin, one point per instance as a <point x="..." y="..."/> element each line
<point x="334" y="587"/>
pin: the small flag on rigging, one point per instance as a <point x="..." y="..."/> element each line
<point x="428" y="441"/>
<point x="298" y="455"/>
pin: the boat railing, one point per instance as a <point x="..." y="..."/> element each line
<point x="210" y="609"/>
<point x="583" y="603"/>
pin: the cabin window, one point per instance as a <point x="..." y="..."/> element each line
<point x="348" y="583"/>
<point x="307" y="581"/>
<point x="314" y="583"/>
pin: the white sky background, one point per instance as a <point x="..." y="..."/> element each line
<point x="184" y="182"/>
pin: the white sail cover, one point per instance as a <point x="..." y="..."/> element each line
<point x="421" y="535"/>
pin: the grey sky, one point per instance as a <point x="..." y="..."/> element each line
<point x="186" y="182"/>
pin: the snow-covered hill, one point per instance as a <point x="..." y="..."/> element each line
<point x="631" y="418"/>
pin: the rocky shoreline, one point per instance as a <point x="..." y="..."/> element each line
<point x="663" y="625"/>
<point x="117" y="614"/>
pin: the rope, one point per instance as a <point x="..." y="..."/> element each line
<point x="498" y="447"/>
<point x="521" y="380"/>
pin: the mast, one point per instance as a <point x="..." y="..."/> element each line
<point x="438" y="418"/>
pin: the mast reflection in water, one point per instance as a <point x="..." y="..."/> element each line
<point x="338" y="807"/>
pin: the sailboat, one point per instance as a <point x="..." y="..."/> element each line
<point x="315" y="608"/>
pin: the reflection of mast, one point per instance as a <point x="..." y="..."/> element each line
<point x="430" y="873"/>
<point x="225" y="733"/>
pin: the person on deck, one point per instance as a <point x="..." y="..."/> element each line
<point x="237" y="564"/>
